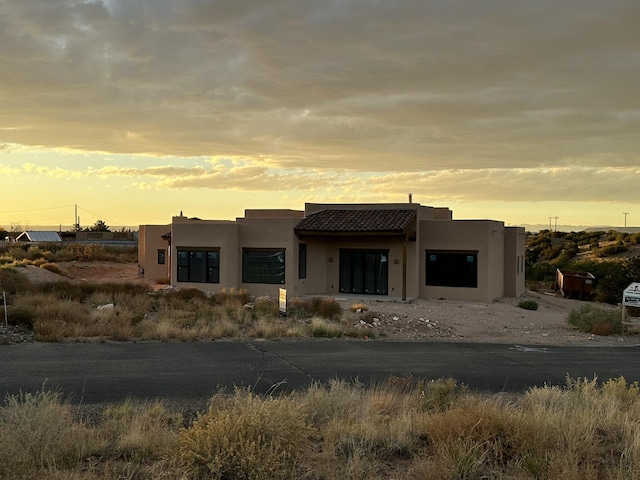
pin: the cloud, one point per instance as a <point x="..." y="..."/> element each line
<point x="410" y="86"/>
<point x="567" y="183"/>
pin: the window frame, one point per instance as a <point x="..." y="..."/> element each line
<point x="266" y="273"/>
<point x="195" y="270"/>
<point x="459" y="260"/>
<point x="162" y="256"/>
<point x="302" y="260"/>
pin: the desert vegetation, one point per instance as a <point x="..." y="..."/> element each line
<point x="17" y="254"/>
<point x="62" y="310"/>
<point x="398" y="429"/>
<point x="612" y="257"/>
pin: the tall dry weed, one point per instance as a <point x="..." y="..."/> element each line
<point x="38" y="432"/>
<point x="245" y="436"/>
<point x="140" y="431"/>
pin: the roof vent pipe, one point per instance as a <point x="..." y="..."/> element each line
<point x="410" y="198"/>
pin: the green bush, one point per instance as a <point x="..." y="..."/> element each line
<point x="528" y="304"/>
<point x="595" y="320"/>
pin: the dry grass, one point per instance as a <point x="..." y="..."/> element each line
<point x="396" y="429"/>
<point x="64" y="310"/>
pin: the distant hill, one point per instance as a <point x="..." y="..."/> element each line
<point x="575" y="228"/>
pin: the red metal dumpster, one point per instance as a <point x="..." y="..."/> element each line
<point x="574" y="284"/>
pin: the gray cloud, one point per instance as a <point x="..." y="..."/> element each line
<point x="406" y="86"/>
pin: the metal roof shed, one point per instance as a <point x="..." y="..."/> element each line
<point x="38" y="236"/>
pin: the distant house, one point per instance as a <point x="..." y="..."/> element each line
<point x="402" y="250"/>
<point x="38" y="236"/>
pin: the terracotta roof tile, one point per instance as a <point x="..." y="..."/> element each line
<point x="393" y="221"/>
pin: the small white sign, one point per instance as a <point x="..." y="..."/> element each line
<point x="283" y="302"/>
<point x="631" y="295"/>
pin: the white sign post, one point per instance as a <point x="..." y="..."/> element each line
<point x="630" y="298"/>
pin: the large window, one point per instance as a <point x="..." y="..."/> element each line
<point x="199" y="266"/>
<point x="302" y="260"/>
<point x="264" y="265"/>
<point x="364" y="271"/>
<point x="452" y="269"/>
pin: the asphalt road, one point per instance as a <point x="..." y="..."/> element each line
<point x="175" y="371"/>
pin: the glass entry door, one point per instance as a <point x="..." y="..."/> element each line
<point x="364" y="271"/>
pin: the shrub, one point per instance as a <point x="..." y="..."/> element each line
<point x="325" y="307"/>
<point x="528" y="304"/>
<point x="41" y="434"/>
<point x="52" y="267"/>
<point x="187" y="294"/>
<point x="595" y="320"/>
<point x="265" y="307"/>
<point x="140" y="431"/>
<point x="320" y="328"/>
<point x="20" y="316"/>
<point x="12" y="281"/>
<point x="245" y="436"/>
<point x="232" y="295"/>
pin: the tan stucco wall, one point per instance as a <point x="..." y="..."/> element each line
<point x="499" y="250"/>
<point x="324" y="259"/>
<point x="514" y="252"/>
<point x="272" y="213"/>
<point x="484" y="236"/>
<point x="271" y="233"/>
<point x="149" y="242"/>
<point x="189" y="233"/>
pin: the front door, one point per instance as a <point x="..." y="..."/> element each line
<point x="364" y="271"/>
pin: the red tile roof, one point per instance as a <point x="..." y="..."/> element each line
<point x="378" y="221"/>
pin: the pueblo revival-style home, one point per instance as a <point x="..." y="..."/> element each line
<point x="400" y="251"/>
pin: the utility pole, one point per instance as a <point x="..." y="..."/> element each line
<point x="625" y="221"/>
<point x="556" y="229"/>
<point x="550" y="218"/>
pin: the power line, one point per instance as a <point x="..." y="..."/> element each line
<point x="35" y="209"/>
<point x="99" y="216"/>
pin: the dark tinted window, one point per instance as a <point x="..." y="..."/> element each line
<point x="263" y="266"/>
<point x="200" y="266"/>
<point x="452" y="269"/>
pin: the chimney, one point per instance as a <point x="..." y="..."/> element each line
<point x="410" y="198"/>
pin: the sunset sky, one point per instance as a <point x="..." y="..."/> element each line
<point x="136" y="110"/>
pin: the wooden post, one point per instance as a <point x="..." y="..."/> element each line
<point x="404" y="269"/>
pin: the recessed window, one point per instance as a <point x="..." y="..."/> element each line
<point x="302" y="260"/>
<point x="198" y="266"/>
<point x="162" y="256"/>
<point x="452" y="269"/>
<point x="264" y="265"/>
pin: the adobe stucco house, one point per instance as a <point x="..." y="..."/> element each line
<point x="402" y="251"/>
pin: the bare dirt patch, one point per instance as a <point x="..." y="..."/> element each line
<point x="501" y="321"/>
<point x="86" y="272"/>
